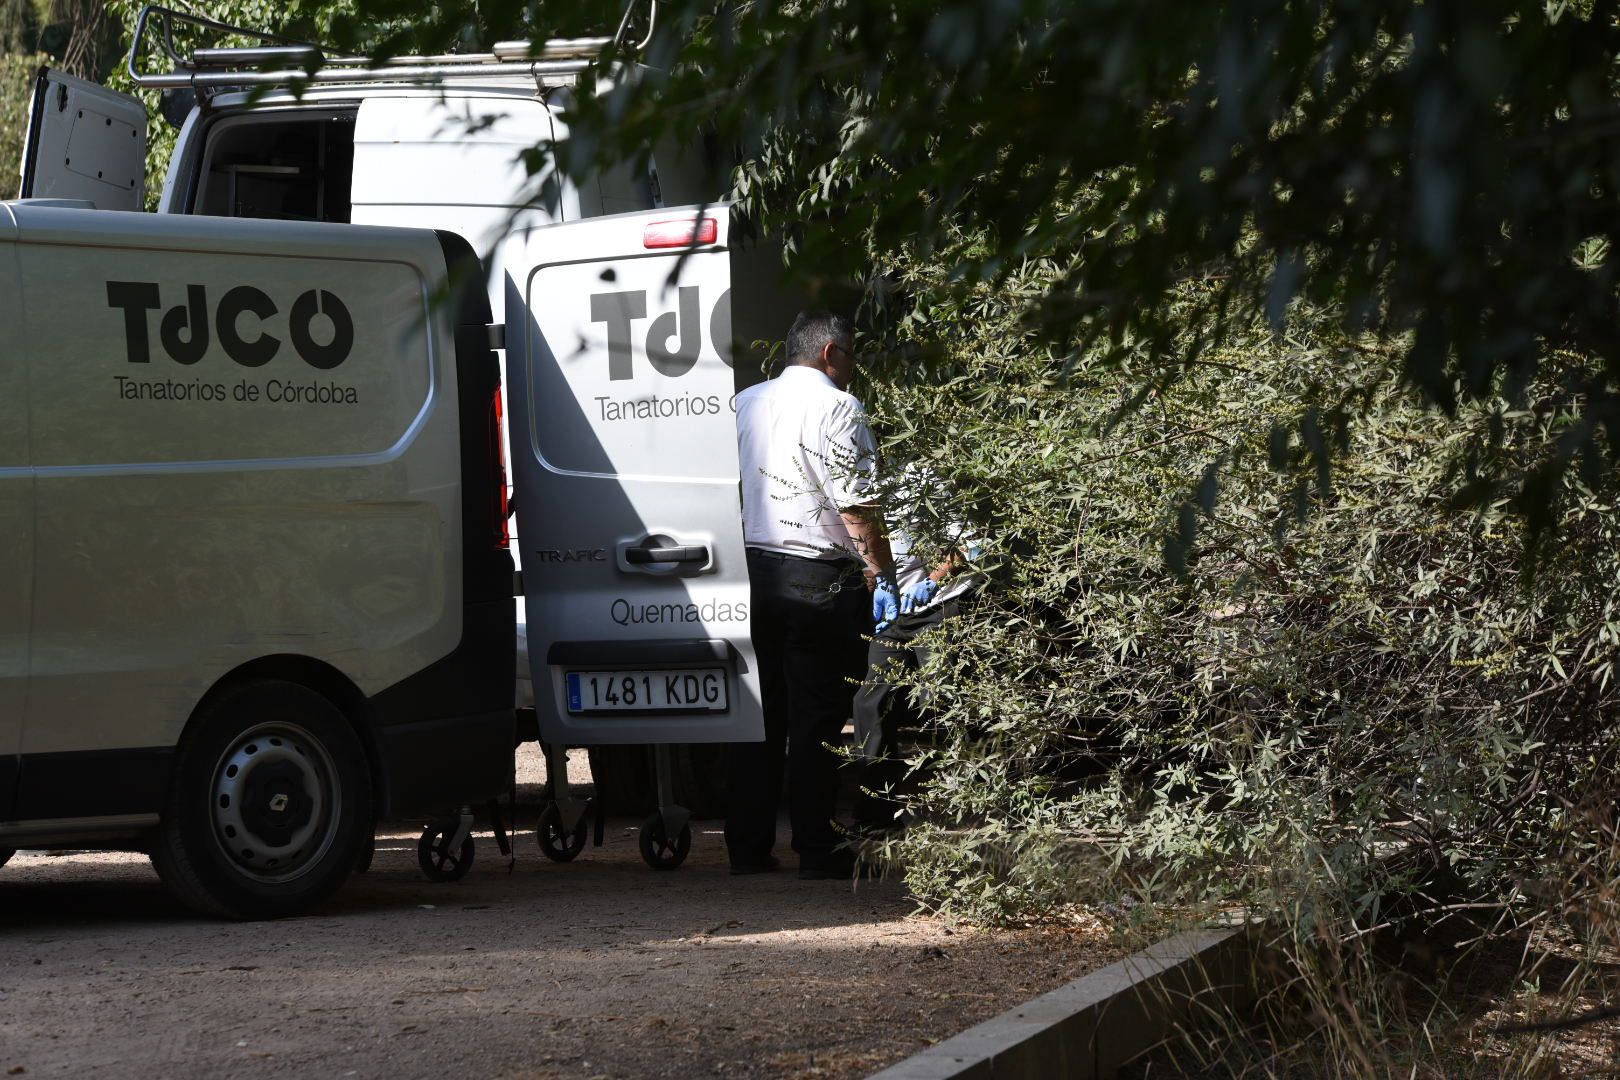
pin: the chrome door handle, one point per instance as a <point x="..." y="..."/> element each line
<point x="685" y="553"/>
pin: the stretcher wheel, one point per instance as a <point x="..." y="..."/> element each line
<point x="438" y="861"/>
<point x="658" y="850"/>
<point x="560" y="846"/>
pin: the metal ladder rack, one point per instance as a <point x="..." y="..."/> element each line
<point x="299" y="62"/>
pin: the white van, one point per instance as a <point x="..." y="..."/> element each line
<point x="618" y="301"/>
<point x="255" y="589"/>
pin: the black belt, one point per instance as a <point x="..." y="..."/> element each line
<point x="782" y="556"/>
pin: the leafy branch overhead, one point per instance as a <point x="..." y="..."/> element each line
<point x="1438" y="174"/>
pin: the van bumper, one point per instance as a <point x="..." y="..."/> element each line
<point x="432" y="766"/>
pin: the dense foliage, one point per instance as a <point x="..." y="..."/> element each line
<point x="1269" y="727"/>
<point x="1383" y="668"/>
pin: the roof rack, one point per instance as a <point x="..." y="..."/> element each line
<point x="281" y="62"/>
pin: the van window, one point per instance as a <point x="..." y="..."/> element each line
<point x="287" y="166"/>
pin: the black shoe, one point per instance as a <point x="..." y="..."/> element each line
<point x="769" y="864"/>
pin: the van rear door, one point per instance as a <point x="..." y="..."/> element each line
<point x="84" y="142"/>
<point x="624" y="442"/>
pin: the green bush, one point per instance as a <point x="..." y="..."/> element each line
<point x="1337" y="663"/>
<point x="1345" y="664"/>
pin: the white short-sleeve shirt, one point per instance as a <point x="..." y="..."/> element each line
<point x="806" y="452"/>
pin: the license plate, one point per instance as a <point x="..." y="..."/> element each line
<point x="687" y="690"/>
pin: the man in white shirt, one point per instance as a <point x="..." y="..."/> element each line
<point x="813" y="535"/>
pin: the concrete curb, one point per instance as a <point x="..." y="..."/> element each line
<point x="1093" y="1025"/>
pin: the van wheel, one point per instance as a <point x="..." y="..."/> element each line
<point x="269" y="804"/>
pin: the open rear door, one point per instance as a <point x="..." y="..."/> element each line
<point x="625" y="458"/>
<point x="84" y="142"/>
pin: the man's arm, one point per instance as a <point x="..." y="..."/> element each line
<point x="865" y="524"/>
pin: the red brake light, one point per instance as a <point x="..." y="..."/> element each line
<point x="681" y="232"/>
<point x="497" y="456"/>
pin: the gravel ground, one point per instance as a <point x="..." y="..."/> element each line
<point x="597" y="968"/>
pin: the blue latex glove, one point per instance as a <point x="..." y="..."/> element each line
<point x="885" y="608"/>
<point x="915" y="597"/>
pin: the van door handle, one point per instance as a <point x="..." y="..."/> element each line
<point x="641" y="556"/>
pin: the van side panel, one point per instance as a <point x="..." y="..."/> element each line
<point x="16" y="522"/>
<point x="246" y="439"/>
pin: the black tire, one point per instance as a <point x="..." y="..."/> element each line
<point x="438" y="860"/>
<point x="557" y="845"/>
<point x="658" y="849"/>
<point x="6" y="854"/>
<point x="268" y="805"/>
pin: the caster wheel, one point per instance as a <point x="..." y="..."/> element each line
<point x="658" y="850"/>
<point x="438" y="861"/>
<point x="558" y="845"/>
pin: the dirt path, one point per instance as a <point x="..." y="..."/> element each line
<point x="599" y="968"/>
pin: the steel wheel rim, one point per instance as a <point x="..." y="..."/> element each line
<point x="274" y="802"/>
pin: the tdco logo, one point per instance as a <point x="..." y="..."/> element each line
<point x="683" y="327"/>
<point x="184" y="329"/>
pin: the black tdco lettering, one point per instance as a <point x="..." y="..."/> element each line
<point x="679" y="361"/>
<point x="136" y="298"/>
<point x="618" y="310"/>
<point x="305" y="308"/>
<point x="185" y="327"/>
<point x="720" y="327"/>
<point x="245" y="299"/>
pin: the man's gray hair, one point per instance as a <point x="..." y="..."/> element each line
<point x="811" y="332"/>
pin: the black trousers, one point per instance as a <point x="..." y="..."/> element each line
<point x="808" y="618"/>
<point x="882" y="710"/>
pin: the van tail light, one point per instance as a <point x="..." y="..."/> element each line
<point x="500" y="534"/>
<point x="680" y="232"/>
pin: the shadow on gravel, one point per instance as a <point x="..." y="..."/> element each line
<point x="606" y="888"/>
<point x="30" y="905"/>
